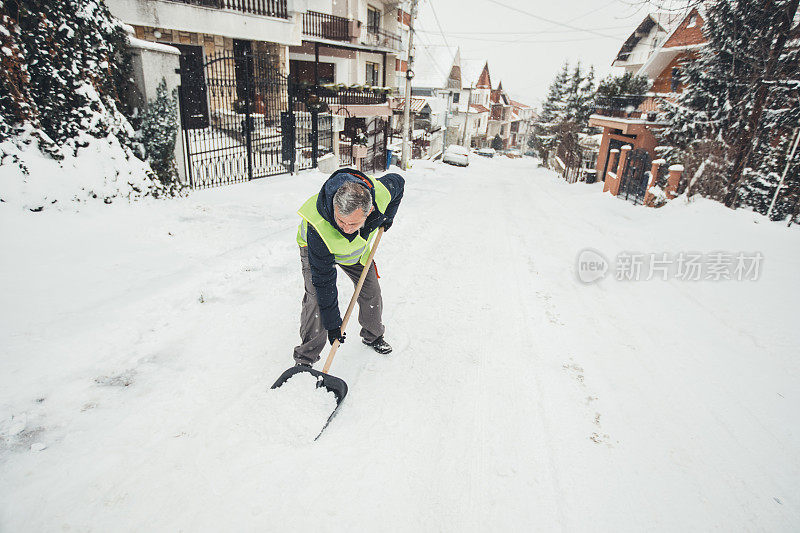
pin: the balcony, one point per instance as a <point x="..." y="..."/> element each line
<point x="378" y="37"/>
<point x="643" y="108"/>
<point x="267" y="8"/>
<point x="345" y="96"/>
<point x="326" y="26"/>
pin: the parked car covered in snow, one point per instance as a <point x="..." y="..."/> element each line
<point x="456" y="155"/>
<point x="485" y="152"/>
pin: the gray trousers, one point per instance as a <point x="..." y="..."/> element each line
<point x="313" y="334"/>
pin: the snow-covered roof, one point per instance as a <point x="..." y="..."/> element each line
<point x="659" y="22"/>
<point x="435" y="103"/>
<point x="432" y="66"/>
<point x="663" y="56"/>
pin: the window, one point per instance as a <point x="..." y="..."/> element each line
<point x="373" y="20"/>
<point x="372" y="74"/>
<point x="302" y="72"/>
<point x="456" y="96"/>
<point x="675" y="82"/>
<point x="692" y="21"/>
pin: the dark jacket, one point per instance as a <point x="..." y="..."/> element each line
<point x="323" y="265"/>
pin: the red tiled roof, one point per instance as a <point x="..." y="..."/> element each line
<point x="416" y="104"/>
<point x="484" y="81"/>
<point x="479" y="108"/>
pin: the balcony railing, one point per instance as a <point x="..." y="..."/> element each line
<point x="379" y="37"/>
<point x="267" y="8"/>
<point x="353" y="97"/>
<point x="326" y="26"/>
<point x="633" y="106"/>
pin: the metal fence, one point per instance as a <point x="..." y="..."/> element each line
<point x="324" y="26"/>
<point x="242" y="121"/>
<point x="268" y="8"/>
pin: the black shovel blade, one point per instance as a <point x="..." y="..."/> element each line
<point x="335" y="385"/>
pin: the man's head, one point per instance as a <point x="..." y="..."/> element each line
<point x="352" y="204"/>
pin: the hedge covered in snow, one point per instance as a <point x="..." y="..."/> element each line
<point x="63" y="132"/>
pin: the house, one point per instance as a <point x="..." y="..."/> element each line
<point x="233" y="68"/>
<point x="354" y="45"/>
<point x="267" y="86"/>
<point x="522" y="118"/>
<point x="465" y="120"/>
<point x="656" y="49"/>
<point x="501" y="115"/>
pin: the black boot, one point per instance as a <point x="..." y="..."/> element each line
<point x="304" y="365"/>
<point x="379" y="345"/>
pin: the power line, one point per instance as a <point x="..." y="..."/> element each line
<point x="435" y="16"/>
<point x="595" y="11"/>
<point x="557" y="23"/>
<point x="520" y="41"/>
<point x="427" y="51"/>
<point x="519" y="32"/>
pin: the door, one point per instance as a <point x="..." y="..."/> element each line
<point x="194" y="96"/>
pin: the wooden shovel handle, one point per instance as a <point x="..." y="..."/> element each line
<point x="350" y="307"/>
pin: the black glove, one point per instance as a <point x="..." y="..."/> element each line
<point x="336" y="335"/>
<point x="387" y="224"/>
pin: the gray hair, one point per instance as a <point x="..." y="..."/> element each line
<point x="351" y="196"/>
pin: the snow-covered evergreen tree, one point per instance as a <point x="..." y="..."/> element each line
<point x="552" y="113"/>
<point x="579" y="95"/>
<point x="565" y="112"/>
<point x="625" y="91"/>
<point x="65" y="64"/>
<point x="158" y="130"/>
<point x="76" y="56"/>
<point x="738" y="100"/>
<point x="497" y="142"/>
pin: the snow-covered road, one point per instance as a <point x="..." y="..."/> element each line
<point x="139" y="343"/>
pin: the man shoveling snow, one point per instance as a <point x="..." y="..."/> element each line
<point x="337" y="227"/>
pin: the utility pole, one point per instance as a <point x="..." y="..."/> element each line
<point x="466" y="119"/>
<point x="446" y="120"/>
<point x="409" y="75"/>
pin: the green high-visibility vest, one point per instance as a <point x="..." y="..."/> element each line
<point x="344" y="251"/>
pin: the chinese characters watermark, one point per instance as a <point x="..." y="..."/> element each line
<point x="593" y="266"/>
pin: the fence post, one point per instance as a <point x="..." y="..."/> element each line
<point x="675" y="172"/>
<point x="248" y="125"/>
<point x="623" y="158"/>
<point x="648" y="196"/>
<point x="613" y="159"/>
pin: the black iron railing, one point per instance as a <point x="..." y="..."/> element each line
<point x="267" y="8"/>
<point x="632" y="106"/>
<point x="353" y="97"/>
<point x="326" y="26"/>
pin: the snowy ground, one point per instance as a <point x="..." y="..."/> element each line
<point x="139" y="342"/>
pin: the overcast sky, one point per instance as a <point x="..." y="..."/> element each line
<point x="523" y="51"/>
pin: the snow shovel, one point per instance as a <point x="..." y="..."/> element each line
<point x="333" y="384"/>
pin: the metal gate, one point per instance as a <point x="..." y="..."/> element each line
<point x="375" y="129"/>
<point x="244" y="121"/>
<point x="633" y="184"/>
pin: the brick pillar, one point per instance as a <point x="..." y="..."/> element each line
<point x="602" y="154"/>
<point x="613" y="159"/>
<point x="675" y="172"/>
<point x="623" y="157"/>
<point x="648" y="196"/>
